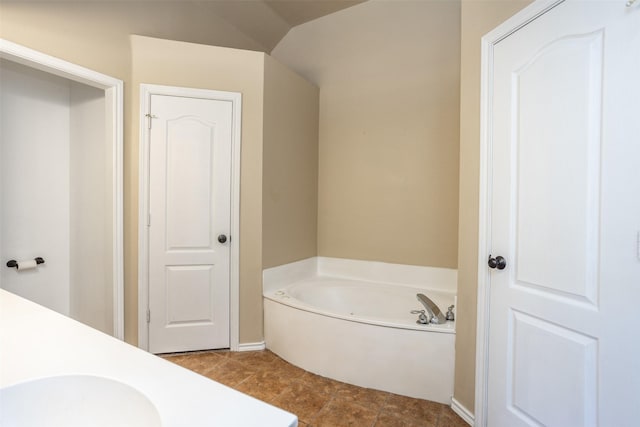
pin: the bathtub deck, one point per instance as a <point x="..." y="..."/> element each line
<point x="316" y="400"/>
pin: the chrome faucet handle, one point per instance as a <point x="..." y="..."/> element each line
<point x="450" y="315"/>
<point x="422" y="318"/>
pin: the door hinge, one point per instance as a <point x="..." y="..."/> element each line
<point x="150" y="118"/>
<point x="148" y="220"/>
<point x="148" y="316"/>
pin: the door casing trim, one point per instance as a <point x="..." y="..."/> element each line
<point x="114" y="112"/>
<point x="488" y="43"/>
<point x="146" y="90"/>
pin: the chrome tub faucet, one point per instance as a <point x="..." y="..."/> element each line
<point x="431" y="312"/>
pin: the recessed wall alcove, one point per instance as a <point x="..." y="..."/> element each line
<point x="61" y="186"/>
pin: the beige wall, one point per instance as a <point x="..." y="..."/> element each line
<point x="96" y="35"/>
<point x="478" y="18"/>
<point x="388" y="74"/>
<point x="289" y="166"/>
<point x="210" y="67"/>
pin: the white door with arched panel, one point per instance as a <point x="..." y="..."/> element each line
<point x="190" y="153"/>
<point x="564" y="216"/>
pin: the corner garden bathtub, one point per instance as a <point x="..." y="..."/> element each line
<point x="363" y="333"/>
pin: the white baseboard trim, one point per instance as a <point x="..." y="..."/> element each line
<point x="463" y="412"/>
<point x="252" y="346"/>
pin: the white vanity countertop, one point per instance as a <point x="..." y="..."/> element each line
<point x="36" y="342"/>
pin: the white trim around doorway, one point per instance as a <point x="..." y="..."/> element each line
<point x="146" y="90"/>
<point x="113" y="92"/>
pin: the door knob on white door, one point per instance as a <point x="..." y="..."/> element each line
<point x="498" y="262"/>
<point x="222" y="238"/>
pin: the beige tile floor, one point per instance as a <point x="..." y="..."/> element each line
<point x="317" y="401"/>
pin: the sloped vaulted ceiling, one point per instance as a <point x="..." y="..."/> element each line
<point x="296" y="12"/>
<point x="260" y="24"/>
<point x="268" y="21"/>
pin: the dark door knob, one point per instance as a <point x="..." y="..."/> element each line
<point x="222" y="238"/>
<point x="498" y="262"/>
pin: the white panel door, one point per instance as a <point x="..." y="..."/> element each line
<point x="189" y="205"/>
<point x="565" y="216"/>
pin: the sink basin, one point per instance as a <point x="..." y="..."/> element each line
<point x="75" y="400"/>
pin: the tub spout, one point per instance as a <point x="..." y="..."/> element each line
<point x="433" y="312"/>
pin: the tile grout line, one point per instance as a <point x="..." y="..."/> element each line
<point x="246" y="379"/>
<point x="331" y="397"/>
<point x="381" y="409"/>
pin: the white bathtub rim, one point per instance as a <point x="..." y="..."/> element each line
<point x="448" y="328"/>
<point x="434" y="278"/>
<point x="427" y="278"/>
<point x="320" y="279"/>
<point x="283" y="297"/>
<point x="275" y="278"/>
